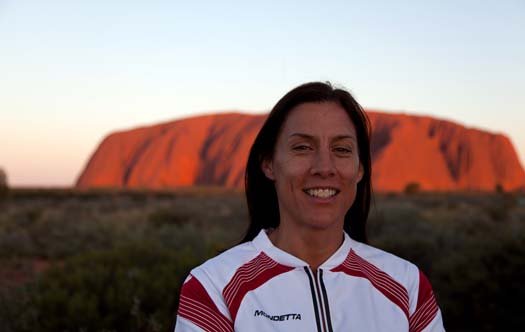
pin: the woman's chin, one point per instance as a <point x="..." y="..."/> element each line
<point x="324" y="222"/>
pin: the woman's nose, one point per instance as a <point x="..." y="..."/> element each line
<point x="323" y="164"/>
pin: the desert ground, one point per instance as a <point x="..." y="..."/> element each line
<point x="111" y="260"/>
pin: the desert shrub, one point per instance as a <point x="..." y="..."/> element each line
<point x="480" y="288"/>
<point x="402" y="230"/>
<point x="56" y="238"/>
<point x="4" y="188"/>
<point x="132" y="288"/>
<point x="412" y="188"/>
<point x="474" y="257"/>
<point x="17" y="313"/>
<point x="499" y="208"/>
<point x="111" y="249"/>
<point x="168" y="216"/>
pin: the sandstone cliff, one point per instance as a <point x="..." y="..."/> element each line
<point x="212" y="150"/>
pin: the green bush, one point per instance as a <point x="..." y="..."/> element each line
<point x="481" y="287"/>
<point x="168" y="216"/>
<point x="133" y="288"/>
<point x="475" y="261"/>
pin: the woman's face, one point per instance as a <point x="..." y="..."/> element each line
<point x="315" y="166"/>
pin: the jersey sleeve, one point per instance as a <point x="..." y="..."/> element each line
<point x="426" y="316"/>
<point x="198" y="312"/>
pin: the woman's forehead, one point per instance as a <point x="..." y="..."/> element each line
<point x="326" y="119"/>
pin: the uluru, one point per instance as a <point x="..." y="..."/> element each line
<point x="211" y="150"/>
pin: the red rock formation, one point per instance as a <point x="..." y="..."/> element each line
<point x="212" y="150"/>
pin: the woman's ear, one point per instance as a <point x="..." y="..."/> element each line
<point x="267" y="168"/>
<point x="360" y="172"/>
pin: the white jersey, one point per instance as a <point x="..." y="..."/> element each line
<point x="256" y="286"/>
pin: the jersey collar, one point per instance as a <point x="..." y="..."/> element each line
<point x="263" y="243"/>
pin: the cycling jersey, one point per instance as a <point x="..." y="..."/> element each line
<point x="256" y="286"/>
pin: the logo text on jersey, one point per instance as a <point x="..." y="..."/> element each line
<point x="279" y="318"/>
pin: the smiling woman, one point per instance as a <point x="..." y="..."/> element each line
<point x="315" y="168"/>
<point x="304" y="263"/>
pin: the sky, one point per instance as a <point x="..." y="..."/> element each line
<point x="73" y="71"/>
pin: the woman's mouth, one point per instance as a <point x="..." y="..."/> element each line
<point x="321" y="192"/>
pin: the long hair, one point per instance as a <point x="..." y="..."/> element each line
<point x="261" y="196"/>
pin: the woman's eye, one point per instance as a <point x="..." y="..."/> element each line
<point x="301" y="148"/>
<point x="343" y="150"/>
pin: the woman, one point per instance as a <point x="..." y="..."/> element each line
<point x="304" y="264"/>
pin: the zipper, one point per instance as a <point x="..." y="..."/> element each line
<point x="320" y="300"/>
<point x="325" y="298"/>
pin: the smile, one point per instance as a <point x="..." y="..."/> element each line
<point x="321" y="192"/>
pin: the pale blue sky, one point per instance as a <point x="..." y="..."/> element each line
<point x="73" y="71"/>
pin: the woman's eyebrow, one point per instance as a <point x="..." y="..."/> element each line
<point x="311" y="137"/>
<point x="302" y="135"/>
<point x="341" y="137"/>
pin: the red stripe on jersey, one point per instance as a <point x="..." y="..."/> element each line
<point x="249" y="277"/>
<point x="356" y="266"/>
<point x="197" y="306"/>
<point x="427" y="307"/>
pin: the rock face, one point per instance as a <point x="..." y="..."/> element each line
<point x="212" y="150"/>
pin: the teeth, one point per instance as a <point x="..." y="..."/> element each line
<point x="321" y="193"/>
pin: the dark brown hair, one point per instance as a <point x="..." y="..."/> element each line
<point x="261" y="196"/>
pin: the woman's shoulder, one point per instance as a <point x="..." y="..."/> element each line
<point x="400" y="269"/>
<point x="221" y="267"/>
<point x="400" y="278"/>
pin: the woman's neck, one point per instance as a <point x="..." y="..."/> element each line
<point x="313" y="246"/>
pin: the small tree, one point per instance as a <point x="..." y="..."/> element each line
<point x="412" y="188"/>
<point x="4" y="188"/>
